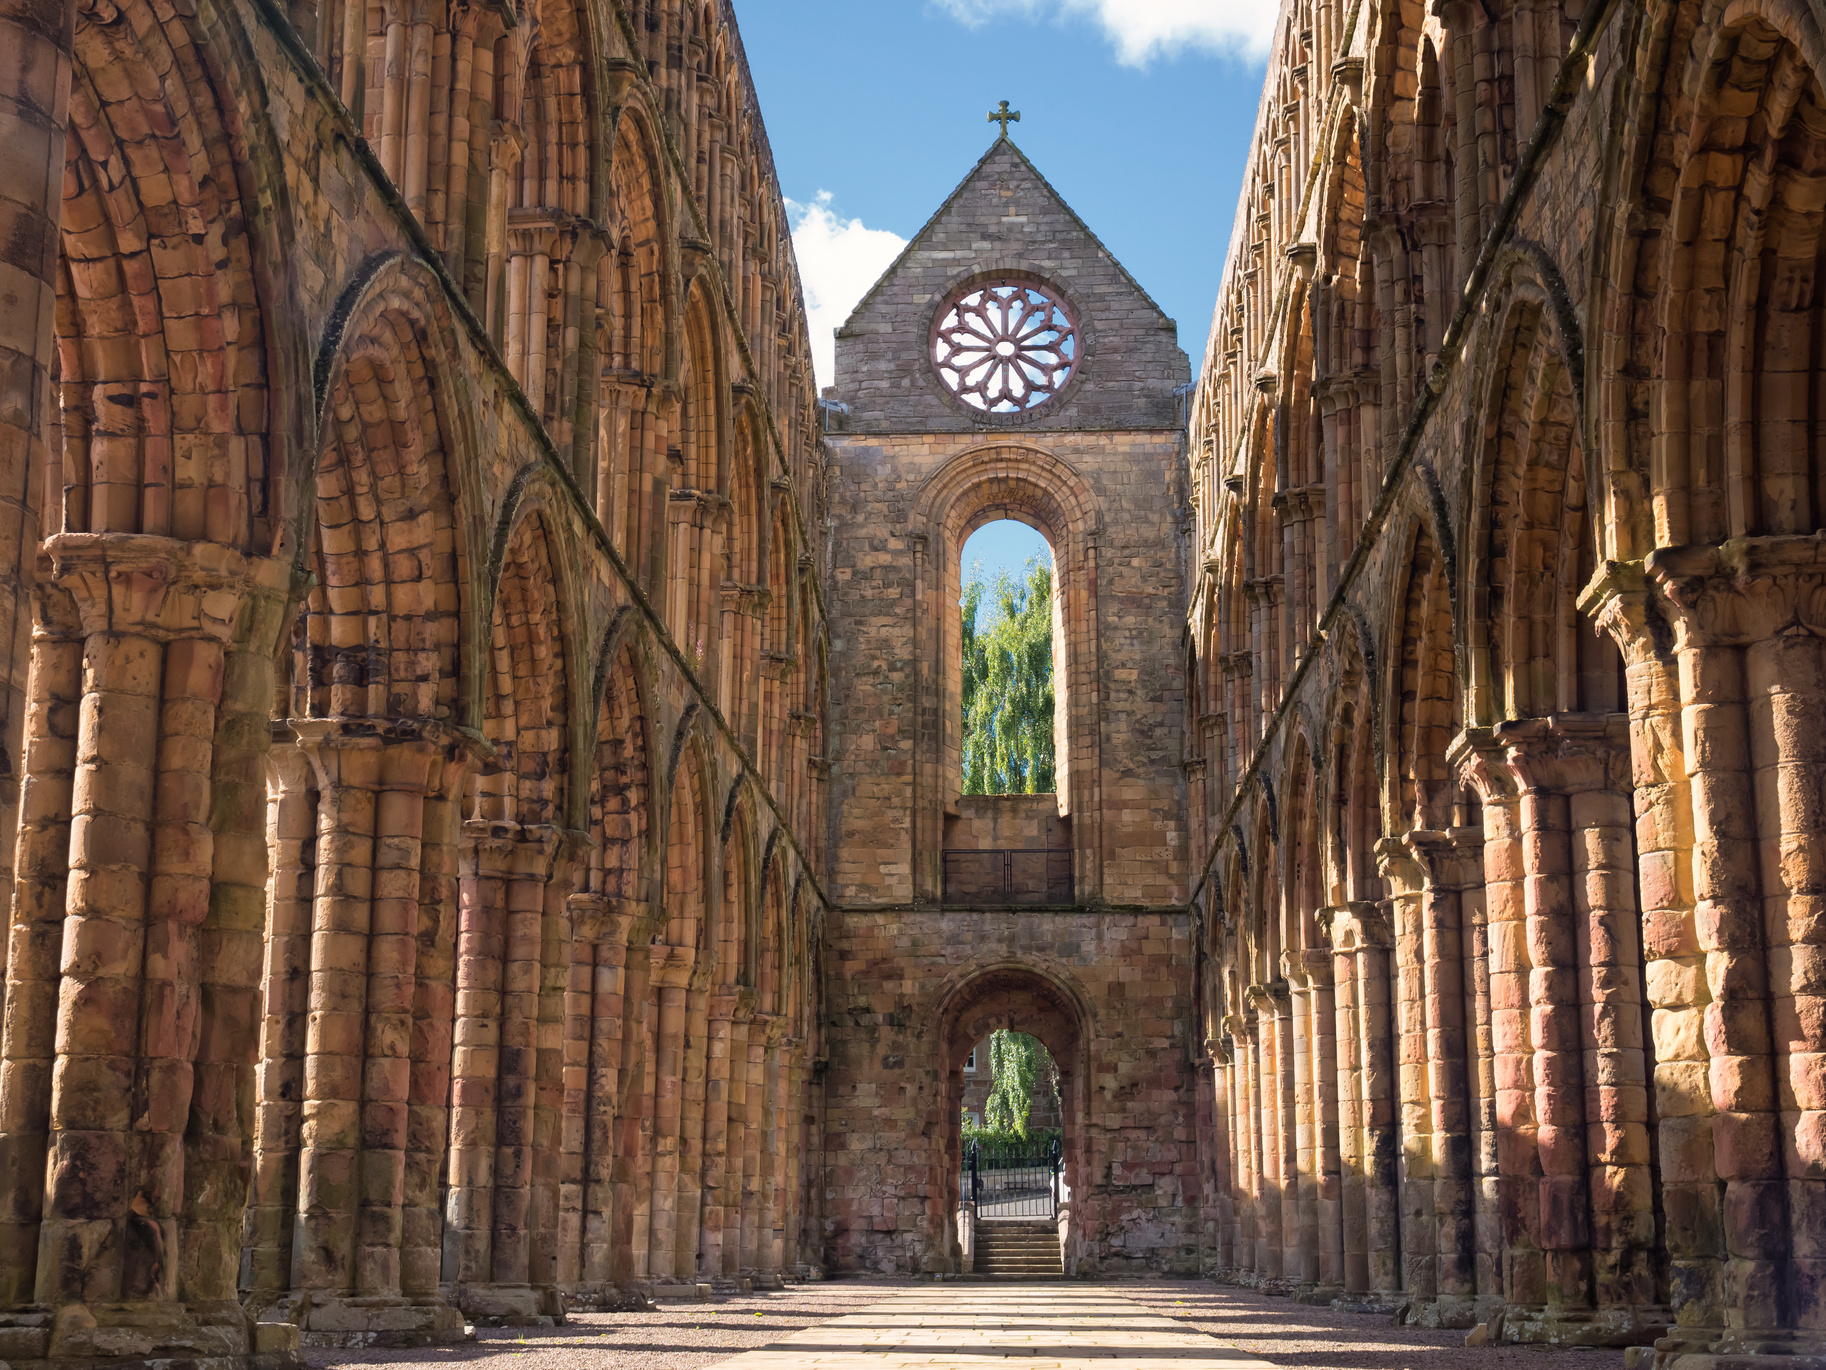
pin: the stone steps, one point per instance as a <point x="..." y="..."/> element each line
<point x="1027" y="1250"/>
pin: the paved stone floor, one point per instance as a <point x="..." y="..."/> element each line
<point x="1057" y="1325"/>
<point x="893" y="1324"/>
<point x="1290" y="1336"/>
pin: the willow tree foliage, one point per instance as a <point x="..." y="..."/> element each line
<point x="1008" y="687"/>
<point x="1016" y="1061"/>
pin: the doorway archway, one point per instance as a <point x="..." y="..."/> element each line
<point x="1030" y="1000"/>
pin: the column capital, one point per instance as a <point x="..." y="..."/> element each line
<point x="1314" y="966"/>
<point x="1567" y="753"/>
<point x="166" y="589"/>
<point x="419" y="755"/>
<point x="1268" y="997"/>
<point x="732" y="1004"/>
<point x="1476" y="760"/>
<point x="1742" y="591"/>
<point x="1444" y="858"/>
<point x="552" y="233"/>
<point x="600" y="920"/>
<point x="1617" y="599"/>
<point x="524" y="850"/>
<point x="1358" y="925"/>
<point x="672" y="966"/>
<point x="506" y="143"/>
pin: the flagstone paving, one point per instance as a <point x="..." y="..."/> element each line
<point x="1050" y="1326"/>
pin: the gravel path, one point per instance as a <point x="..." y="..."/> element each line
<point x="675" y="1336"/>
<point x="1284" y="1333"/>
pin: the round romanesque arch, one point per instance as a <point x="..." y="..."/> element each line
<point x="1043" y="1003"/>
<point x="1030" y="485"/>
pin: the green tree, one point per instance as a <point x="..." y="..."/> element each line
<point x="1016" y="1060"/>
<point x="1008" y="686"/>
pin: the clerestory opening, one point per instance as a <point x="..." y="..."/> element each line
<point x="1007" y="837"/>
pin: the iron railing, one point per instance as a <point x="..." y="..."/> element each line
<point x="1012" y="1182"/>
<point x="1009" y="875"/>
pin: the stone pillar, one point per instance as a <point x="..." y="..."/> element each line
<point x="735" y="1165"/>
<point x="1430" y="873"/>
<point x="631" y="1168"/>
<point x="754" y="1144"/>
<point x="1361" y="935"/>
<point x="598" y="976"/>
<point x="773" y="1170"/>
<point x="694" y="1098"/>
<point x="132" y="991"/>
<point x="1213" y="1156"/>
<point x="1595" y="1206"/>
<point x="1248" y="1146"/>
<point x="375" y="781"/>
<point x="503" y="1139"/>
<point x="716" y="1207"/>
<point x="1521" y="1268"/>
<point x="1381" y="1099"/>
<point x="1236" y="1159"/>
<point x="1328" y="1199"/>
<point x="792" y="1210"/>
<point x="1303" y="1249"/>
<point x="1273" y="1172"/>
<point x="1352" y="1153"/>
<point x="34" y="113"/>
<point x="671" y="970"/>
<point x="279" y="1110"/>
<point x="1749" y="1260"/>
<point x="549" y="1253"/>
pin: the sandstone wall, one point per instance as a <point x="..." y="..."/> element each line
<point x="1508" y="938"/>
<point x="417" y="902"/>
<point x="912" y="991"/>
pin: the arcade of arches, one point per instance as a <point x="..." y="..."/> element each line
<point x="443" y="881"/>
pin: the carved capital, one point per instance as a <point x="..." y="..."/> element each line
<point x="1357" y="926"/>
<point x="1568" y="753"/>
<point x="132" y="584"/>
<point x="1743" y="591"/>
<point x="672" y="966"/>
<point x="1617" y="600"/>
<point x="1448" y="859"/>
<point x="620" y="77"/>
<point x="402" y="755"/>
<point x="507" y="850"/>
<point x="1348" y="72"/>
<point x="1476" y="759"/>
<point x="506" y="144"/>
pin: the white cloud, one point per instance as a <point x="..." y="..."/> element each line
<point x="1142" y="30"/>
<point x="839" y="259"/>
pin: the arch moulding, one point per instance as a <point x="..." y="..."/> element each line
<point x="1004" y="479"/>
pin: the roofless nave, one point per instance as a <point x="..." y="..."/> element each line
<point x="445" y="883"/>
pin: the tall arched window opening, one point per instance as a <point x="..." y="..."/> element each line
<point x="1006" y="839"/>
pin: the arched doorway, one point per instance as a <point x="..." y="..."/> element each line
<point x="1031" y="1001"/>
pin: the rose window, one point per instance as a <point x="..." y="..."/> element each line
<point x="1005" y="348"/>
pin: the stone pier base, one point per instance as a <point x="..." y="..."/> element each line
<point x="173" y="1335"/>
<point x="358" y="1322"/>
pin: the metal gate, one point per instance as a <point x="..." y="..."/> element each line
<point x="1013" y="1180"/>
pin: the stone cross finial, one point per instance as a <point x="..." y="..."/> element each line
<point x="1004" y="116"/>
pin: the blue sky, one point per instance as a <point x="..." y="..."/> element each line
<point x="1138" y="111"/>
